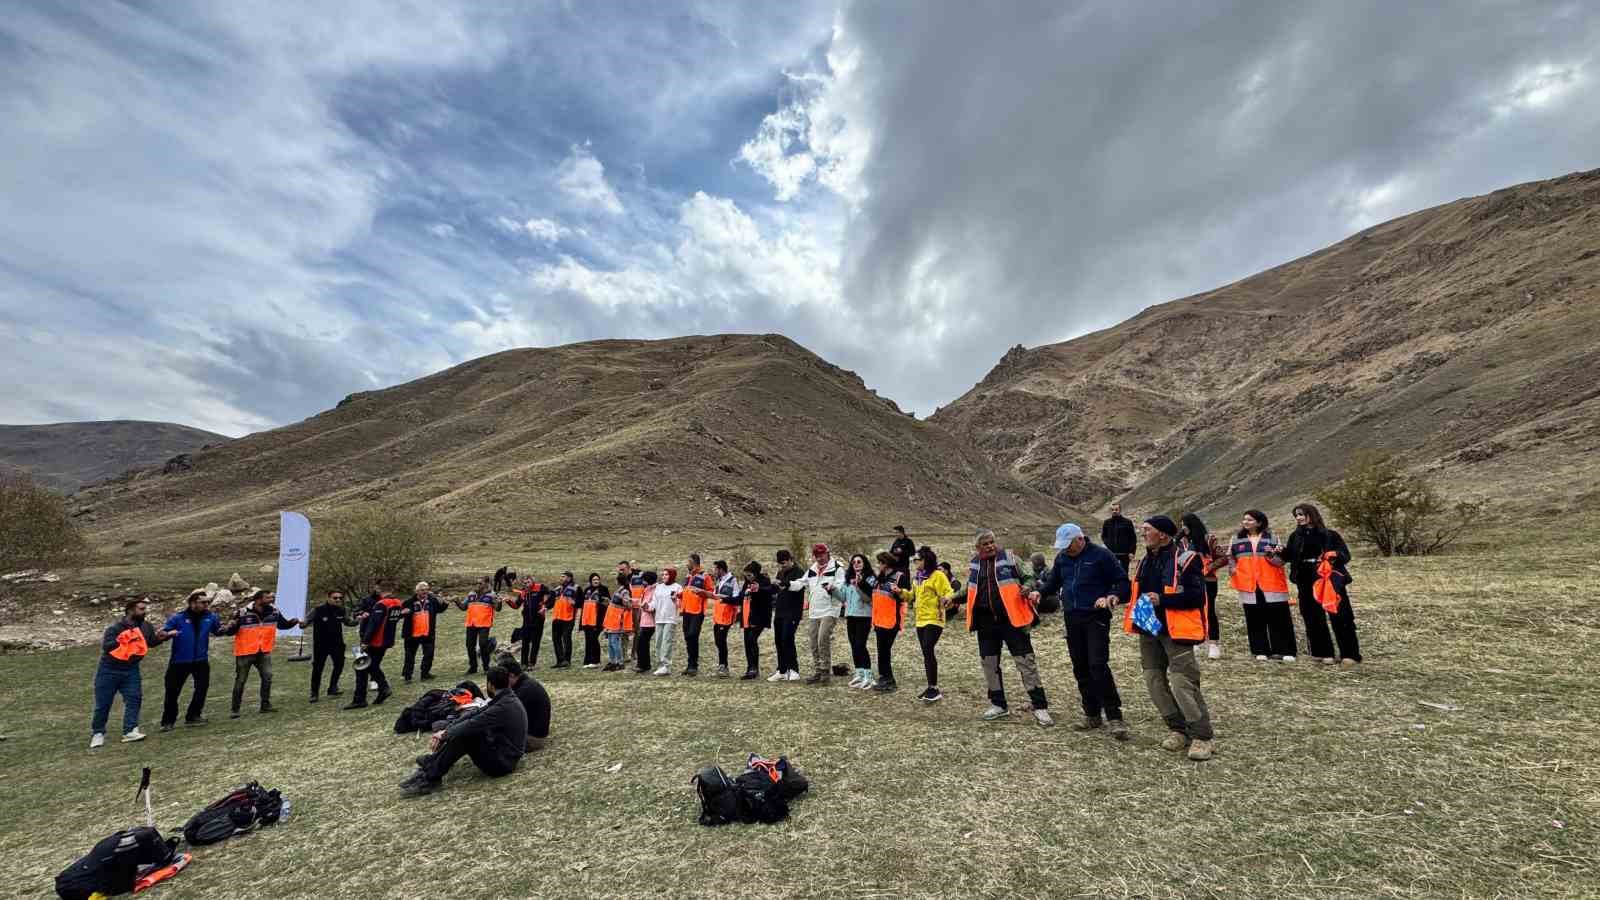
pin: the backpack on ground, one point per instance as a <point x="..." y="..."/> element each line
<point x="241" y="811"/>
<point x="437" y="705"/>
<point x="128" y="860"/>
<point x="719" y="796"/>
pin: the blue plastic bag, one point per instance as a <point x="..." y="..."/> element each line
<point x="1144" y="616"/>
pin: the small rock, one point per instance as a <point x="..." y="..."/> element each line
<point x="57" y="612"/>
<point x="266" y="570"/>
<point x="94" y="601"/>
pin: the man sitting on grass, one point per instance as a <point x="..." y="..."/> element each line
<point x="535" y="701"/>
<point x="495" y="738"/>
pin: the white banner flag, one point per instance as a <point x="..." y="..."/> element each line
<point x="294" y="564"/>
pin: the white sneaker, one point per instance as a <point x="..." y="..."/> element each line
<point x="1261" y="657"/>
<point x="590" y="666"/>
<point x="134" y="735"/>
<point x="662" y="671"/>
<point x="995" y="712"/>
<point x="1213" y="650"/>
<point x="856" y="681"/>
<point x="1042" y="716"/>
<point x="776" y="676"/>
<point x="1288" y="659"/>
<point x="793" y="675"/>
<point x="98" y="740"/>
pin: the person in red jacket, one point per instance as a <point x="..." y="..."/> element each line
<point x="378" y="626"/>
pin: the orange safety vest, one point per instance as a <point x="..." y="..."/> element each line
<point x="1007" y="573"/>
<point x="724" y="610"/>
<point x="564" y="610"/>
<point x="616" y="618"/>
<point x="1326" y="592"/>
<point x="422" y="619"/>
<point x="259" y="636"/>
<point x="886" y="609"/>
<point x="1187" y="625"/>
<point x="591" y="612"/>
<point x="696" y="588"/>
<point x="480" y="611"/>
<point x="131" y="644"/>
<point x="1252" y="569"/>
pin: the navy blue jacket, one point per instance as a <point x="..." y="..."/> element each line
<point x="193" y="643"/>
<point x="1085" y="578"/>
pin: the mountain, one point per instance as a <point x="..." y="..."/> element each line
<point x="1464" y="338"/>
<point x="585" y="442"/>
<point x="68" y="455"/>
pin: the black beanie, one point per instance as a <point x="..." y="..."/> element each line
<point x="1163" y="524"/>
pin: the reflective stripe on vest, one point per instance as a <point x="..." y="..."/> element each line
<point x="131" y="645"/>
<point x="1018" y="610"/>
<point x="696" y="588"/>
<point x="1251" y="570"/>
<point x="1188" y="625"/>
<point x="390" y="609"/>
<point x="564" y="609"/>
<point x="252" y="639"/>
<point x="480" y="612"/>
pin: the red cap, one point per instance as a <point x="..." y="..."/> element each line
<point x="818" y="549"/>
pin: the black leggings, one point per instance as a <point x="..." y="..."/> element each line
<point x="692" y="623"/>
<point x="719" y="633"/>
<point x="1213" y="625"/>
<point x="928" y="637"/>
<point x="641" y="647"/>
<point x="752" y="648"/>
<point x="561" y="641"/>
<point x="886" y="638"/>
<point x="858" y="628"/>
<point x="591" y="645"/>
<point x="783" y="635"/>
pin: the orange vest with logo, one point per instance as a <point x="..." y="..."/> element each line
<point x="1253" y="569"/>
<point x="591" y="611"/>
<point x="256" y="636"/>
<point x="1187" y="625"/>
<point x="696" y="588"/>
<point x="422" y="619"/>
<point x="564" y="609"/>
<point x="480" y="611"/>
<point x="131" y="644"/>
<point x="1008" y="576"/>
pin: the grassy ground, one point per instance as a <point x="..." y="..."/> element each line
<point x="1326" y="782"/>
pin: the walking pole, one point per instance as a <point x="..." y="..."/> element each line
<point x="300" y="655"/>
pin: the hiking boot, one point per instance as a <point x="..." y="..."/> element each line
<point x="751" y="675"/>
<point x="1349" y="664"/>
<point x="268" y="708"/>
<point x="817" y="679"/>
<point x="382" y="696"/>
<point x="995" y="712"/>
<point x="1089" y="723"/>
<point x="167" y="726"/>
<point x="356" y="704"/>
<point x="1201" y="750"/>
<point x="1118" y="729"/>
<point x="1175" y="741"/>
<point x="1042" y="716"/>
<point x="418" y="785"/>
<point x="134" y="735"/>
<point x="887" y="686"/>
<point x="97" y="740"/>
<point x="1213" y="650"/>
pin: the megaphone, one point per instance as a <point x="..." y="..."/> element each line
<point x="363" y="661"/>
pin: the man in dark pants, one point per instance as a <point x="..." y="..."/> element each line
<point x="377" y="636"/>
<point x="480" y="606"/>
<point x="1118" y="536"/>
<point x="1001" y="615"/>
<point x="699" y="591"/>
<point x="787" y="610"/>
<point x="328" y="622"/>
<point x="535" y="701"/>
<point x="191" y="658"/>
<point x="494" y="737"/>
<point x="420" y="627"/>
<point x="902" y="549"/>
<point x="255" y="632"/>
<point x="1089" y="580"/>
<point x="531" y="600"/>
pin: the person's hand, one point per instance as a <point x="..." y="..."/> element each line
<point x="1104" y="603"/>
<point x="1033" y="597"/>
<point x="170" y="633"/>
<point x="434" y="740"/>
<point x="1155" y="599"/>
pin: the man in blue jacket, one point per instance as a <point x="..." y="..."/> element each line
<point x="191" y="658"/>
<point x="1090" y="579"/>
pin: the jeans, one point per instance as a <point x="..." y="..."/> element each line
<point x="752" y="648"/>
<point x="320" y="655"/>
<point x="784" y="631"/>
<point x="928" y="637"/>
<point x="1089" y="646"/>
<point x="262" y="663"/>
<point x="412" y="645"/>
<point x="614" y="648"/>
<point x="692" y="623"/>
<point x="665" y="632"/>
<point x="858" y="629"/>
<point x="478" y="649"/>
<point x="821" y="634"/>
<point x="108" y="683"/>
<point x="991" y="635"/>
<point x="177" y="674"/>
<point x="1172" y="676"/>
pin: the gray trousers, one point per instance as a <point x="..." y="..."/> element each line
<point x="992" y="636"/>
<point x="665" y="632"/>
<point x="821" y="631"/>
<point x="261" y="662"/>
<point x="1172" y="676"/>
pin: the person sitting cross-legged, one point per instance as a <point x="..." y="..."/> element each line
<point x="494" y="737"/>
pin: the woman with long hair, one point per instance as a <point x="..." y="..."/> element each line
<point x="1263" y="590"/>
<point x="1194" y="537"/>
<point x="595" y="600"/>
<point x="929" y="597"/>
<point x="755" y="615"/>
<point x="887" y="618"/>
<point x="857" y="594"/>
<point x="1311" y="541"/>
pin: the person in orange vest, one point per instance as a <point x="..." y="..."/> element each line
<point x="724" y="613"/>
<point x="122" y="648"/>
<point x="1311" y="542"/>
<point x="698" y="591"/>
<point x="888" y="617"/>
<point x="564" y="602"/>
<point x="1258" y="576"/>
<point x="1172" y="580"/>
<point x="1192" y="535"/>
<point x="480" y="606"/>
<point x="755" y="616"/>
<point x="1001" y="615"/>
<point x="255" y="632"/>
<point x="378" y="626"/>
<point x="419" y="628"/>
<point x="618" y="623"/>
<point x="595" y="600"/>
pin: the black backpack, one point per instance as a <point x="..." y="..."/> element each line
<point x="422" y="713"/>
<point x="113" y="865"/>
<point x="241" y="811"/>
<point x="719" y="796"/>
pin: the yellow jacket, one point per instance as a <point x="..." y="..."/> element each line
<point x="927" y="596"/>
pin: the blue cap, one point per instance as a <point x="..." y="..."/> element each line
<point x="1066" y="534"/>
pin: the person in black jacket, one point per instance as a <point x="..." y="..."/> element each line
<point x="1304" y="550"/>
<point x="595" y="600"/>
<point x="535" y="701"/>
<point x="328" y="622"/>
<point x="1172" y="581"/>
<point x="378" y="626"/>
<point x="787" y="610"/>
<point x="902" y="550"/>
<point x="494" y="737"/>
<point x="419" y="629"/>
<point x="1118" y="536"/>
<point x="533" y="599"/>
<point x="1089" y="580"/>
<point x="755" y="615"/>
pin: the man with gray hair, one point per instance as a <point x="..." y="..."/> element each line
<point x="1001" y="614"/>
<point x="1090" y="579"/>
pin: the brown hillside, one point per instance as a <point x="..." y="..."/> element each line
<point x="585" y="442"/>
<point x="1465" y="337"/>
<point x="67" y="455"/>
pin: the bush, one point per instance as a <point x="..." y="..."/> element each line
<point x="354" y="551"/>
<point x="799" y="545"/>
<point x="1399" y="513"/>
<point x="35" y="530"/>
<point x="844" y="546"/>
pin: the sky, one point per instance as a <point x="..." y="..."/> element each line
<point x="232" y="215"/>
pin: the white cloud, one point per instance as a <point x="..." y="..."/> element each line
<point x="442" y="230"/>
<point x="583" y="178"/>
<point x="546" y="231"/>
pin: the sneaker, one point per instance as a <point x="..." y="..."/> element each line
<point x="591" y="665"/>
<point x="817" y="679"/>
<point x="722" y="672"/>
<point x="793" y="675"/>
<point x="995" y="712"/>
<point x="356" y="704"/>
<point x="1042" y="716"/>
<point x="1089" y="723"/>
<point x="1261" y="657"/>
<point x="1118" y="729"/>
<point x="314" y="698"/>
<point x="269" y="708"/>
<point x="751" y="675"/>
<point x="134" y="735"/>
<point x="934" y="695"/>
<point x="335" y="692"/>
<point x="382" y="696"/>
<point x="691" y="673"/>
<point x="167" y="726"/>
<point x="1348" y="664"/>
<point x="926" y="693"/>
<point x="1175" y="741"/>
<point x="417" y="785"/>
<point x="1200" y="750"/>
<point x="1213" y="650"/>
<point x="855" y="681"/>
<point x="234" y="714"/>
<point x="662" y="672"/>
<point x="1288" y="657"/>
<point x="196" y="723"/>
<point x="776" y="677"/>
<point x="886" y="687"/>
<point x="871" y="684"/>
<point x="1328" y="661"/>
<point x="97" y="740"/>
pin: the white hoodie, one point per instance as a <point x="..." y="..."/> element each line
<point x="665" y="603"/>
<point x="821" y="589"/>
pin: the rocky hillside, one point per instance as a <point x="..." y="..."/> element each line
<point x="587" y="442"/>
<point x="68" y="455"/>
<point x="1464" y="337"/>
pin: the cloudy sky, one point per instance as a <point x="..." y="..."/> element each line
<point x="231" y="215"/>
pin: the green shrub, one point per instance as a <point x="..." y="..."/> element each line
<point x="354" y="551"/>
<point x="36" y="532"/>
<point x="1398" y="512"/>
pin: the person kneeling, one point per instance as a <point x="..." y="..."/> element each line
<point x="495" y="738"/>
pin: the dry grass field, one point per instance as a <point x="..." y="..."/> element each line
<point x="1326" y="783"/>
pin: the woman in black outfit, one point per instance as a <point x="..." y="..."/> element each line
<point x="1194" y="537"/>
<point x="595" y="600"/>
<point x="1304" y="550"/>
<point x="755" y="616"/>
